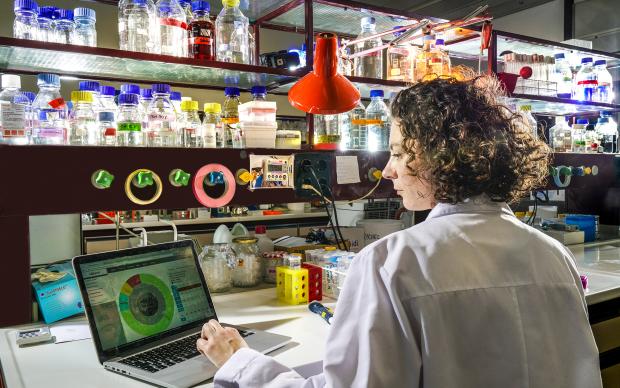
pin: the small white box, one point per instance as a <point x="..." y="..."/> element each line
<point x="259" y="135"/>
<point x="258" y="111"/>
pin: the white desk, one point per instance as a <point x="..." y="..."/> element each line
<point x="75" y="364"/>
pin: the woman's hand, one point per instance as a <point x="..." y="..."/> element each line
<point x="219" y="343"/>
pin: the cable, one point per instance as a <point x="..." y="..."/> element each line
<point x="333" y="200"/>
<point x="326" y="206"/>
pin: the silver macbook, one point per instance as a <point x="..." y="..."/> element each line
<point x="146" y="307"/>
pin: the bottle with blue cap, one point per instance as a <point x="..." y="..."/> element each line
<point x="25" y="25"/>
<point x="586" y="81"/>
<point x="130" y="89"/>
<point x="107" y="94"/>
<point x="579" y="135"/>
<point x="83" y="128"/>
<point x="14" y="106"/>
<point x="441" y="60"/>
<point x="85" y="30"/>
<point x="172" y="28"/>
<point x="230" y="116"/>
<point x="146" y="96"/>
<point x="201" y="44"/>
<point x="604" y="88"/>
<point x="129" y="121"/>
<point x="50" y="112"/>
<point x="65" y="26"/>
<point x="47" y="24"/>
<point x="232" y="31"/>
<point x="138" y="26"/>
<point x="607" y="132"/>
<point x="176" y="98"/>
<point x="369" y="65"/>
<point x="377" y="122"/>
<point x="162" y="119"/>
<point x="562" y="76"/>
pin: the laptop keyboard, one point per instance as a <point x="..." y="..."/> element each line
<point x="169" y="354"/>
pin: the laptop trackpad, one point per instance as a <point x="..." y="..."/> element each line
<point x="191" y="371"/>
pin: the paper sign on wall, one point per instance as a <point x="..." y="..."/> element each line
<point x="347" y="170"/>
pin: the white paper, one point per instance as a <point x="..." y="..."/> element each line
<point x="347" y="170"/>
<point x="70" y="332"/>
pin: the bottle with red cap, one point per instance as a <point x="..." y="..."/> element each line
<point x="265" y="244"/>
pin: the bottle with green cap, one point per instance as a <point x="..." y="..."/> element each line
<point x="191" y="132"/>
<point x="212" y="124"/>
<point x="231" y="28"/>
<point x="83" y="124"/>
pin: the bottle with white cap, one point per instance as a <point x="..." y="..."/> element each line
<point x="13" y="107"/>
<point x="25" y="25"/>
<point x="85" y="31"/>
<point x="369" y="65"/>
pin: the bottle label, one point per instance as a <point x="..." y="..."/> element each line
<point x="129" y="127"/>
<point x="591" y="82"/>
<point x="359" y="121"/>
<point x="173" y="23"/>
<point x="201" y="40"/>
<point x="230" y="120"/>
<point x="374" y="121"/>
<point x="57" y="103"/>
<point x="12" y="119"/>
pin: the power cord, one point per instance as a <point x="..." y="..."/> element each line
<point x="335" y="219"/>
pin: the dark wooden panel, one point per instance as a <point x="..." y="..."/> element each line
<point x="15" y="285"/>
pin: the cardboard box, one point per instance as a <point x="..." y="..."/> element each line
<point x="59" y="299"/>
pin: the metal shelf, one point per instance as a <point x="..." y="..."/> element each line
<point x="559" y="106"/>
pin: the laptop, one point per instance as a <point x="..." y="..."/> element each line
<point x="146" y="307"/>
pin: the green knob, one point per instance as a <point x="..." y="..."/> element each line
<point x="179" y="177"/>
<point x="553" y="171"/>
<point x="143" y="179"/>
<point x="102" y="179"/>
<point x="565" y="171"/>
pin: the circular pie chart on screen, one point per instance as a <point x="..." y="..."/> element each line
<point x="146" y="304"/>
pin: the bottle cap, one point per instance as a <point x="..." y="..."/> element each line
<point x="48" y="13"/>
<point x="189" y="105"/>
<point x="600" y="62"/>
<point x="31" y="96"/>
<point x="582" y="121"/>
<point x="259" y="90"/>
<point x="231" y="91"/>
<point x="65" y="14"/>
<point x="201" y="5"/>
<point x="138" y="2"/>
<point x="161" y="88"/>
<point x="559" y="56"/>
<point x="106" y="116"/>
<point x="260" y="229"/>
<point x="130" y="88"/>
<point x="175" y="96"/>
<point x="376" y="93"/>
<point x="606" y="113"/>
<point x="92" y="86"/>
<point x="128" y="98"/>
<point x="106" y="90"/>
<point x="212" y="107"/>
<point x="46" y="78"/>
<point x="586" y="60"/>
<point x="26" y="5"/>
<point x="85" y="13"/>
<point x="11" y="81"/>
<point x="230" y="3"/>
<point x="602" y="120"/>
<point x="368" y="20"/>
<point x="81" y="96"/>
<point x="146" y="93"/>
<point x="439" y="42"/>
<point x="525" y="108"/>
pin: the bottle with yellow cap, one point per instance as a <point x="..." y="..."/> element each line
<point x="191" y="129"/>
<point x="231" y="28"/>
<point x="212" y="125"/>
<point x="83" y="125"/>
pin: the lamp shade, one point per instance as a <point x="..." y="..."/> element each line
<point x="324" y="91"/>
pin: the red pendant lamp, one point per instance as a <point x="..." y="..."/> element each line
<point x="324" y="91"/>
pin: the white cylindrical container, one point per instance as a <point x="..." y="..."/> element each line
<point x="376" y="229"/>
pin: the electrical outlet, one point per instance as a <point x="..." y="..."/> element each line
<point x="305" y="163"/>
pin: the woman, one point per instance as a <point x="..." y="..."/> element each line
<point x="471" y="297"/>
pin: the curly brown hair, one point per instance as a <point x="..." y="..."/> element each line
<point x="465" y="142"/>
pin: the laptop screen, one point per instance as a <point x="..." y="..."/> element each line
<point x="142" y="293"/>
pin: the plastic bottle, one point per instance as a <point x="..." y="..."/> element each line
<point x="190" y="126"/>
<point x="230" y="116"/>
<point x="441" y="59"/>
<point x="201" y="32"/>
<point x="176" y="99"/>
<point x="231" y="31"/>
<point x="162" y="119"/>
<point x="358" y="132"/>
<point x="13" y="112"/>
<point x="83" y="124"/>
<point x="607" y="132"/>
<point x="93" y="87"/>
<point x="146" y="96"/>
<point x="129" y="121"/>
<point x="173" y="28"/>
<point x="212" y="123"/>
<point x="400" y="60"/>
<point x="561" y="135"/>
<point x="526" y="112"/>
<point x="85" y="30"/>
<point x="586" y="81"/>
<point x="562" y="76"/>
<point x="423" y="60"/>
<point x="106" y="99"/>
<point x="50" y="111"/>
<point x="47" y="24"/>
<point x="25" y="25"/>
<point x="369" y="65"/>
<point x="604" y="90"/>
<point x="378" y="122"/>
<point x="65" y="26"/>
<point x="579" y="132"/>
<point x="265" y="244"/>
<point x="138" y="26"/>
<point x="107" y="129"/>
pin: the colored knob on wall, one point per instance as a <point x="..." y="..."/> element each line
<point x="102" y="179"/>
<point x="143" y="178"/>
<point x="578" y="171"/>
<point x="179" y="178"/>
<point x="243" y="177"/>
<point x="374" y="174"/>
<point x="214" y="178"/>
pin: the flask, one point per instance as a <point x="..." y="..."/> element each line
<point x="85" y="31"/>
<point x="190" y="125"/>
<point x="400" y="60"/>
<point x="50" y="112"/>
<point x="369" y="65"/>
<point x="129" y="121"/>
<point x="604" y="88"/>
<point x="358" y="133"/>
<point x="607" y="131"/>
<point x="377" y="122"/>
<point x="83" y="125"/>
<point x="25" y="25"/>
<point x="47" y="24"/>
<point x="586" y="81"/>
<point x="162" y="119"/>
<point x="561" y="135"/>
<point x="107" y="129"/>
<point x="231" y="32"/>
<point x="579" y="132"/>
<point x="212" y="124"/>
<point x="14" y="106"/>
<point x="562" y="76"/>
<point x="65" y="26"/>
<point x="138" y="26"/>
<point x="201" y="32"/>
<point x="230" y="116"/>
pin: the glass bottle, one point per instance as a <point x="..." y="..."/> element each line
<point x="190" y="125"/>
<point x="526" y="113"/>
<point x="592" y="140"/>
<point x="248" y="269"/>
<point x="586" y="81"/>
<point x="85" y="30"/>
<point x="14" y="106"/>
<point x="201" y="32"/>
<point x="230" y="116"/>
<point x="607" y="132"/>
<point x="579" y="132"/>
<point x="106" y="100"/>
<point x="604" y="88"/>
<point x="358" y="133"/>
<point x="186" y="5"/>
<point x="441" y="59"/>
<point x="83" y="124"/>
<point x="231" y="31"/>
<point x="562" y="76"/>
<point x="25" y="25"/>
<point x="216" y="261"/>
<point x="138" y="26"/>
<point x="30" y="119"/>
<point x="400" y="61"/>
<point x="47" y="24"/>
<point x="50" y="112"/>
<point x="107" y="129"/>
<point x="176" y="99"/>
<point x="212" y="123"/>
<point x="93" y="87"/>
<point x="173" y="28"/>
<point x="162" y="119"/>
<point x="369" y="65"/>
<point x="377" y="122"/>
<point x="259" y="93"/>
<point x="561" y="135"/>
<point x="326" y="132"/>
<point x="423" y="62"/>
<point x="146" y="96"/>
<point x="130" y="89"/>
<point x="129" y="121"/>
<point x="65" y="26"/>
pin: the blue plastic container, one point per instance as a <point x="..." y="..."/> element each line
<point x="586" y="223"/>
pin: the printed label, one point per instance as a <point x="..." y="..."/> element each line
<point x="173" y="23"/>
<point x="129" y="127"/>
<point x="374" y="121"/>
<point x="12" y="117"/>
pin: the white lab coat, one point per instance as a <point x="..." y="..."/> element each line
<point x="470" y="298"/>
